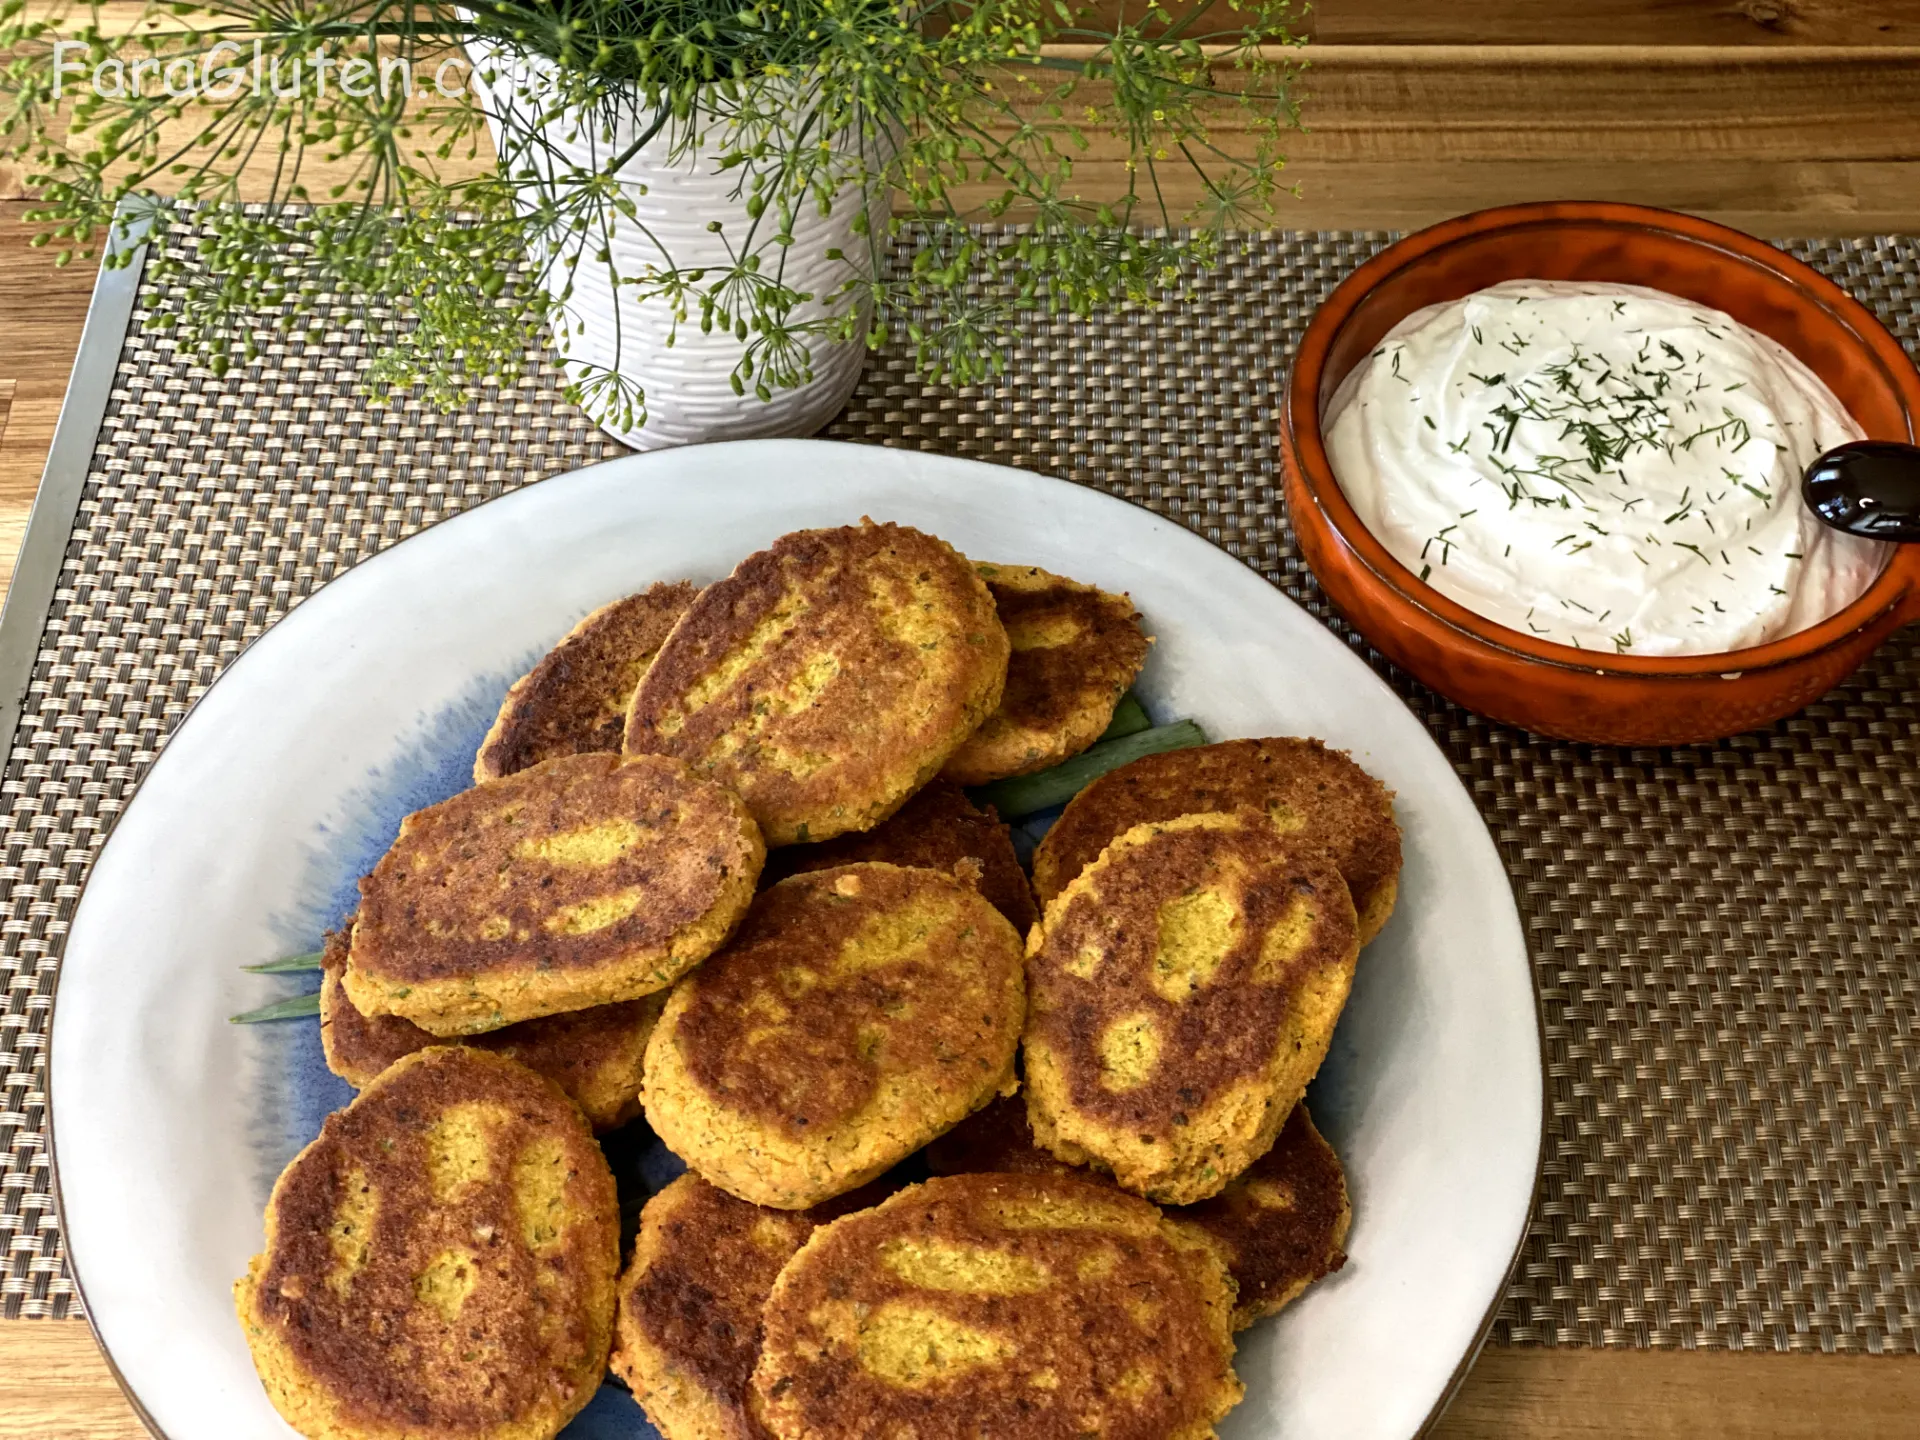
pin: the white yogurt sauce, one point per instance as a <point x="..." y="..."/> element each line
<point x="1600" y="465"/>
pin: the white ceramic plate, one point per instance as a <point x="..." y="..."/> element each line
<point x="290" y="777"/>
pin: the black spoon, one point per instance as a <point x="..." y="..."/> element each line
<point x="1869" y="488"/>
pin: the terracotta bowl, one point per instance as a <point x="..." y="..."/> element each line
<point x="1517" y="678"/>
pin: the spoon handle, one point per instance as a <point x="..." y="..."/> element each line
<point x="1869" y="488"/>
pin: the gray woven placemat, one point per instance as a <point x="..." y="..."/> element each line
<point x="1724" y="937"/>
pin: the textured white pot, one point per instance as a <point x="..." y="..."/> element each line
<point x="687" y="375"/>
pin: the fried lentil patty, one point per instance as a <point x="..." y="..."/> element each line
<point x="1279" y="1226"/>
<point x="1003" y="1306"/>
<point x="583" y="881"/>
<point x="1076" y="649"/>
<point x="596" y="1055"/>
<point x="688" y="1327"/>
<point x="1321" y="793"/>
<point x="827" y="678"/>
<point x="858" y="1013"/>
<point x="1182" y="992"/>
<point x="575" y="700"/>
<point x="937" y="829"/>
<point x="1282" y="1223"/>
<point x="440" y="1261"/>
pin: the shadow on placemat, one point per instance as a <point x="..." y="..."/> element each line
<point x="1723" y="937"/>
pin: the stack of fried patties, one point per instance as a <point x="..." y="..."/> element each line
<point x="589" y="930"/>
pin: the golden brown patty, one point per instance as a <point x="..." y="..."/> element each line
<point x="1282" y="1224"/>
<point x="998" y="1137"/>
<point x="596" y="1055"/>
<point x="858" y="1013"/>
<point x="828" y="677"/>
<point x="688" y="1329"/>
<point x="1002" y="1306"/>
<point x="583" y="881"/>
<point x="937" y="829"/>
<point x="441" y="1261"/>
<point x="1182" y="992"/>
<point x="1279" y="1226"/>
<point x="1321" y="793"/>
<point x="1075" y="651"/>
<point x="575" y="700"/>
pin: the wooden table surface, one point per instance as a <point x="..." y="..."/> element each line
<point x="1784" y="117"/>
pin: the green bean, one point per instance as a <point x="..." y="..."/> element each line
<point x="1128" y="719"/>
<point x="1023" y="794"/>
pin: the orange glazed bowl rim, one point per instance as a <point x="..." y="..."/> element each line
<point x="1897" y="585"/>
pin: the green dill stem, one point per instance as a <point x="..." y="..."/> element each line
<point x="294" y="1007"/>
<point x="286" y="966"/>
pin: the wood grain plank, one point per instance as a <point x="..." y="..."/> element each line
<point x="1684" y="1395"/>
<point x="43" y="309"/>
<point x="1618" y="22"/>
<point x="1746" y="23"/>
<point x="54" y="1385"/>
<point x="1611" y="107"/>
<point x="1741" y="24"/>
<point x="1616" y="103"/>
<point x="1807" y="198"/>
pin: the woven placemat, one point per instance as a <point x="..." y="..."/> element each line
<point x="1724" y="938"/>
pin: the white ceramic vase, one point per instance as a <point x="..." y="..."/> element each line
<point x="687" y="375"/>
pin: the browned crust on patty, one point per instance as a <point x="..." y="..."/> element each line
<point x="688" y="1330"/>
<point x="575" y="700"/>
<point x="828" y="677"/>
<point x="998" y="1305"/>
<point x="583" y="881"/>
<point x="1076" y="649"/>
<point x="936" y="830"/>
<point x="1333" y="801"/>
<point x="1282" y="1224"/>
<point x="1279" y="1226"/>
<point x="857" y="1013"/>
<point x="997" y="1137"/>
<point x="407" y="1288"/>
<point x="1183" y="991"/>
<point x="596" y="1055"/>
